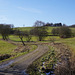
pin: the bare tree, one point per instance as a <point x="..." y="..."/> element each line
<point x="21" y="35"/>
<point x="5" y="30"/>
<point x="27" y="35"/>
<point x="39" y="30"/>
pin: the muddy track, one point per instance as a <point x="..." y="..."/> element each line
<point x="20" y="64"/>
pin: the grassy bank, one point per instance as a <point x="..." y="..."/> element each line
<point x="68" y="41"/>
<point x="48" y="30"/>
<point x="6" y="48"/>
<point x="13" y="50"/>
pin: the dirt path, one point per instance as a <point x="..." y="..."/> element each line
<point x="20" y="64"/>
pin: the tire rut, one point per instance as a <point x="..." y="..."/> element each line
<point x="22" y="62"/>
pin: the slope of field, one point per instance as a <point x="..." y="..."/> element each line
<point x="69" y="42"/>
<point x="21" y="63"/>
<point x="49" y="28"/>
<point x="16" y="38"/>
<point x="10" y="50"/>
<point x="6" y="48"/>
<point x="24" y="28"/>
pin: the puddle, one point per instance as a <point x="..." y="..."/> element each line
<point x="5" y="56"/>
<point x="43" y="63"/>
<point x="5" y="65"/>
<point x="48" y="71"/>
<point x="24" y="72"/>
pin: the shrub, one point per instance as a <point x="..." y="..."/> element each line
<point x="55" y="31"/>
<point x="65" y="32"/>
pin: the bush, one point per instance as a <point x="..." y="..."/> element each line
<point x="65" y="32"/>
<point x="55" y="31"/>
<point x="5" y="30"/>
<point x="39" y="30"/>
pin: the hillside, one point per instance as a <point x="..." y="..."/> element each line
<point x="50" y="49"/>
<point x="49" y="29"/>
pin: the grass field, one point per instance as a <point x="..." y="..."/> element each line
<point x="68" y="41"/>
<point x="10" y="49"/>
<point x="49" y="29"/>
<point x="16" y="38"/>
<point x="6" y="48"/>
<point x="24" y="28"/>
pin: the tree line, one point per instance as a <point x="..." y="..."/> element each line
<point x="63" y="32"/>
<point x="54" y="25"/>
<point x="39" y="30"/>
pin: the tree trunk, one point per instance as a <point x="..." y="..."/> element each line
<point x="6" y="38"/>
<point x="3" y="37"/>
<point x="40" y="38"/>
<point x="22" y="41"/>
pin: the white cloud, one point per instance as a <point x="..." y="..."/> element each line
<point x="30" y="10"/>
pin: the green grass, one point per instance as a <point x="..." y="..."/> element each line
<point x="33" y="47"/>
<point x="16" y="38"/>
<point x="0" y="37"/>
<point x="24" y="28"/>
<point x="73" y="30"/>
<point x="49" y="29"/>
<point x="70" y="42"/>
<point x="29" y="28"/>
<point x="6" y="48"/>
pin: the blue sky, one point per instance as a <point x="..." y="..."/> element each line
<point x="26" y="12"/>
